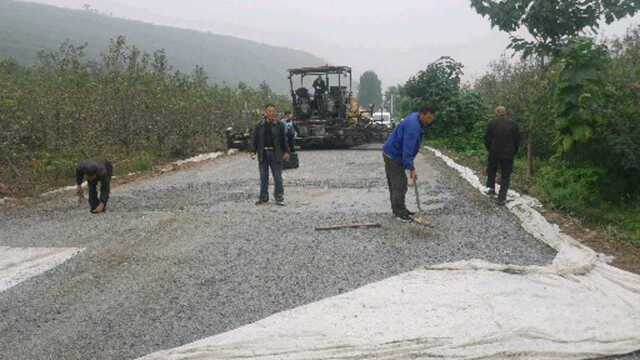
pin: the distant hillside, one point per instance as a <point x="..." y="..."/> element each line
<point x="26" y="28"/>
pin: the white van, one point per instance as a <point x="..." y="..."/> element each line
<point x="384" y="118"/>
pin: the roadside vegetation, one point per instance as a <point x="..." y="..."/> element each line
<point x="577" y="102"/>
<point x="130" y="107"/>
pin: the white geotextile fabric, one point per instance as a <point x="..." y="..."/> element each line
<point x="19" y="264"/>
<point x="199" y="158"/>
<point x="578" y="307"/>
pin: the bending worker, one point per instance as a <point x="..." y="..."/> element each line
<point x="399" y="151"/>
<point x="95" y="171"/>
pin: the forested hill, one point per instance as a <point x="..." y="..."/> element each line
<point x="26" y="28"/>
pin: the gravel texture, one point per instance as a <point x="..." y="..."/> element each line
<point x="188" y="255"/>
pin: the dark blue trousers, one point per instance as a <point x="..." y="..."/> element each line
<point x="269" y="161"/>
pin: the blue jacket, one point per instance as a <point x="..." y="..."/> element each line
<point x="404" y="143"/>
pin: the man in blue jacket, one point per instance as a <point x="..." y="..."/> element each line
<point x="398" y="153"/>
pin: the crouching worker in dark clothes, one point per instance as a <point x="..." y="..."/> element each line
<point x="271" y="145"/>
<point x="399" y="151"/>
<point x="502" y="140"/>
<point x="95" y="171"/>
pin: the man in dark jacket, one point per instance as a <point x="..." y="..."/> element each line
<point x="271" y="145"/>
<point x="95" y="171"/>
<point x="319" y="86"/>
<point x="502" y="140"/>
<point x="401" y="148"/>
<point x="291" y="130"/>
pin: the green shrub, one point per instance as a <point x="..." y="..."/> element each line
<point x="143" y="163"/>
<point x="572" y="189"/>
<point x="626" y="220"/>
<point x="56" y="168"/>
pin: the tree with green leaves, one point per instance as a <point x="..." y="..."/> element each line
<point x="523" y="89"/>
<point x="370" y="89"/>
<point x="551" y="25"/>
<point x="578" y="92"/>
<point x="459" y="110"/>
<point x="435" y="85"/>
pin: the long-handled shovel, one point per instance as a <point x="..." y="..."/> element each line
<point x="420" y="216"/>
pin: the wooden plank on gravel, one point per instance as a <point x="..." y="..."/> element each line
<point x="348" y="226"/>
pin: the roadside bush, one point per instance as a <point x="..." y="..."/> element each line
<point x="140" y="164"/>
<point x="66" y="108"/>
<point x="572" y="189"/>
<point x="56" y="168"/>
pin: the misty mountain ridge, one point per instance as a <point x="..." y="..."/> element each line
<point x="26" y="28"/>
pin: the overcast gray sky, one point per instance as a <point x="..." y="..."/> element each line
<point x="395" y="38"/>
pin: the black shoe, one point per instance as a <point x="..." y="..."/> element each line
<point x="280" y="202"/>
<point x="404" y="218"/>
<point x="491" y="192"/>
<point x="501" y="202"/>
<point x="261" y="202"/>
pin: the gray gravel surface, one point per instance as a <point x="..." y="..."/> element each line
<point x="188" y="255"/>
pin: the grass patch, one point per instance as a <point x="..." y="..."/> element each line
<point x="620" y="223"/>
<point x="141" y="164"/>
